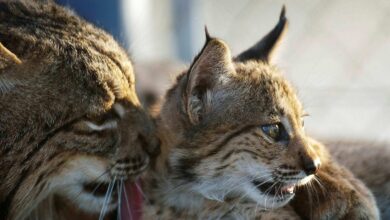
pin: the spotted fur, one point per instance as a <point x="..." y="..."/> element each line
<point x="218" y="161"/>
<point x="69" y="114"/>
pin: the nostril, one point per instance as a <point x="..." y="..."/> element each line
<point x="310" y="166"/>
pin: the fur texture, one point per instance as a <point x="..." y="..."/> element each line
<point x="367" y="160"/>
<point x="234" y="146"/>
<point x="70" y="118"/>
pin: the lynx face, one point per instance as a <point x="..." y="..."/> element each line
<point x="71" y="124"/>
<point x="238" y="130"/>
<point x="258" y="149"/>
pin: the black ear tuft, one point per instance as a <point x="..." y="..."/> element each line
<point x="263" y="50"/>
<point x="283" y="13"/>
<point x="206" y="31"/>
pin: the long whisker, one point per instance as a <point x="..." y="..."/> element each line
<point x="267" y="192"/>
<point x="263" y="182"/>
<point x="119" y="187"/>
<point x="277" y="196"/>
<point x="318" y="181"/>
<point x="253" y="178"/>
<point x="245" y="182"/>
<point x="127" y="201"/>
<point x="104" y="201"/>
<point x="94" y="190"/>
<point x="308" y="188"/>
<point x="107" y="198"/>
<point x="241" y="182"/>
<point x="141" y="191"/>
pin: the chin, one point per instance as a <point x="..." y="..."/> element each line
<point x="270" y="195"/>
<point x="84" y="182"/>
<point x="90" y="197"/>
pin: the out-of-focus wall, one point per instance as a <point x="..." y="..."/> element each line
<point x="337" y="53"/>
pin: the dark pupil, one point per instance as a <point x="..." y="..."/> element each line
<point x="275" y="131"/>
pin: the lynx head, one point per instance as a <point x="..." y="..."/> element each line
<point x="235" y="126"/>
<point x="70" y="120"/>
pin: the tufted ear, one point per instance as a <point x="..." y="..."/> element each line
<point x="265" y="48"/>
<point x="206" y="70"/>
<point x="7" y="58"/>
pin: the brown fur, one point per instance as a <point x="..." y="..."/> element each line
<point x="368" y="161"/>
<point x="216" y="153"/>
<point x="69" y="112"/>
<point x="337" y="195"/>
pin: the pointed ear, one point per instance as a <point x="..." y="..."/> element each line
<point x="206" y="70"/>
<point x="264" y="49"/>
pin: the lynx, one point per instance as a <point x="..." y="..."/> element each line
<point x="234" y="146"/>
<point x="71" y="124"/>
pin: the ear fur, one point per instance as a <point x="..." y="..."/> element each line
<point x="213" y="61"/>
<point x="265" y="48"/>
<point x="7" y="58"/>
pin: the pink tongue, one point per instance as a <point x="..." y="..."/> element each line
<point x="131" y="209"/>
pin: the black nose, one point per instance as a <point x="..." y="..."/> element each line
<point x="310" y="166"/>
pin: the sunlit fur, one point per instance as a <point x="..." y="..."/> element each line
<point x="216" y="161"/>
<point x="215" y="156"/>
<point x="69" y="114"/>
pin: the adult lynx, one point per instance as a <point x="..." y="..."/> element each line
<point x="70" y="120"/>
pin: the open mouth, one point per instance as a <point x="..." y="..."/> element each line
<point x="99" y="189"/>
<point x="275" y="188"/>
<point x="129" y="202"/>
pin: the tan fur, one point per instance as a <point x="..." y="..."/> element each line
<point x="216" y="154"/>
<point x="69" y="115"/>
<point x="7" y="56"/>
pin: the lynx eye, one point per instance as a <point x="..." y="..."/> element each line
<point x="276" y="132"/>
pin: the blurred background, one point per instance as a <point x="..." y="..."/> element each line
<point x="336" y="53"/>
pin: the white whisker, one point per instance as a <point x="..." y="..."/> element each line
<point x="142" y="193"/>
<point x="94" y="190"/>
<point x="127" y="202"/>
<point x="107" y="199"/>
<point x="120" y="188"/>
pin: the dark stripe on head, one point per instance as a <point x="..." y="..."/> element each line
<point x="238" y="151"/>
<point x="220" y="146"/>
<point x="186" y="164"/>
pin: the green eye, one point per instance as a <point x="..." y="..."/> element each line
<point x="276" y="132"/>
